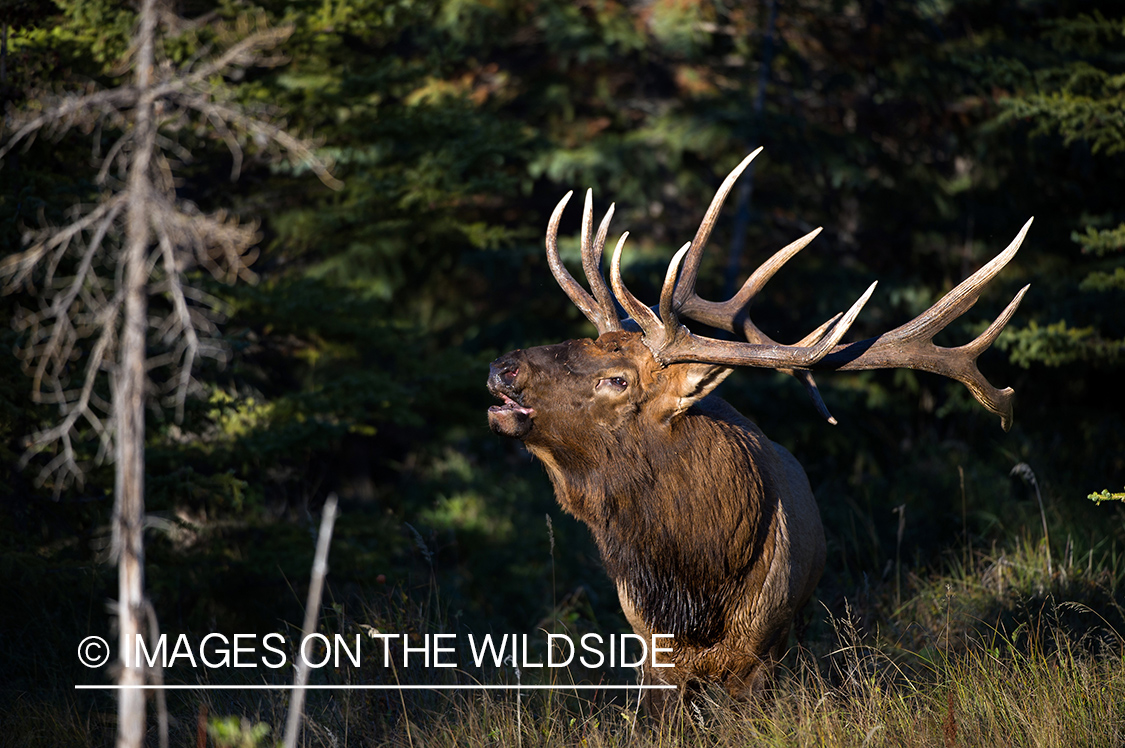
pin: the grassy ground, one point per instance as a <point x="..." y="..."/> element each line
<point x="996" y="650"/>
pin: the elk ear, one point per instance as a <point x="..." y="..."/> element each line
<point x="688" y="384"/>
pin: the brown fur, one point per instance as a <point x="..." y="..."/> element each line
<point x="708" y="529"/>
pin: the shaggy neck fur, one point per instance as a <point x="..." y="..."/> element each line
<point x="673" y="534"/>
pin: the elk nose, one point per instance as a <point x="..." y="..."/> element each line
<point x="503" y="372"/>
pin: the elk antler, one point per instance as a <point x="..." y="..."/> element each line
<point x="732" y="315"/>
<point x="671" y="342"/>
<point x="601" y="312"/>
<point x="909" y="346"/>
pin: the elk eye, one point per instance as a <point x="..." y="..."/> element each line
<point x="616" y="383"/>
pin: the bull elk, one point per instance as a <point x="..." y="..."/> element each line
<point x="708" y="529"/>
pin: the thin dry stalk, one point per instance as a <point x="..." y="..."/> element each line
<point x="312" y="614"/>
<point x="949" y="726"/>
<point x="1024" y="472"/>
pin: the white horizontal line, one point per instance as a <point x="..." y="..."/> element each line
<point x="411" y="687"/>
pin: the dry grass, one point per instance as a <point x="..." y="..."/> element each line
<point x="996" y="664"/>
<point x="994" y="651"/>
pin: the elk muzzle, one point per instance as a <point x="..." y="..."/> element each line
<point x="510" y="418"/>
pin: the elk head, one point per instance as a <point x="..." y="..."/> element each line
<point x="658" y="372"/>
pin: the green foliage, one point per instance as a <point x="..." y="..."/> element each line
<point x="1105" y="495"/>
<point x="237" y="732"/>
<point x="1057" y="345"/>
<point x="1100" y="242"/>
<point x="1074" y="88"/>
<point x="1079" y="102"/>
<point x="102" y="27"/>
<point x="1075" y="99"/>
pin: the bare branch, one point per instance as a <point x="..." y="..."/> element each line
<point x="243" y="54"/>
<point x="111" y="156"/>
<point x="19" y="266"/>
<point x="208" y="238"/>
<point x="61" y="432"/>
<point x="232" y="145"/>
<point x="187" y="328"/>
<point x="71" y="106"/>
<point x="62" y="302"/>
<point x="299" y="150"/>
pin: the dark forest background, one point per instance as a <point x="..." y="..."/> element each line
<point x="920" y="135"/>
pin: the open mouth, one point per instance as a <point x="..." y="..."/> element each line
<point x="510" y="405"/>
<point x="509" y="418"/>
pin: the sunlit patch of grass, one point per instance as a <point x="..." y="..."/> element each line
<point x="1013" y="595"/>
<point x="973" y="699"/>
<point x="996" y="652"/>
<point x="1056" y="678"/>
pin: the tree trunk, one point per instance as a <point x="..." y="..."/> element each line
<point x="128" y="404"/>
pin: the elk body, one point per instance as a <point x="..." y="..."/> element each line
<point x="709" y="530"/>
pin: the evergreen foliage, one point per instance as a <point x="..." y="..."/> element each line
<point x="1074" y="90"/>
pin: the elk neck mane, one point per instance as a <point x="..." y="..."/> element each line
<point x="666" y="528"/>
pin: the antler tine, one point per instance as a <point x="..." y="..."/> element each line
<point x="996" y="401"/>
<point x="691" y="265"/>
<point x="818" y="333"/>
<point x="724" y="314"/>
<point x="986" y="338"/>
<point x="960" y="299"/>
<point x="837" y="329"/>
<point x="805" y="377"/>
<point x="911" y="345"/>
<point x="691" y="347"/>
<point x="667" y="291"/>
<point x="577" y="294"/>
<point x="654" y="330"/>
<point x="602" y="315"/>
<point x="592" y="262"/>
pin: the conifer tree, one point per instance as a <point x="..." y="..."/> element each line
<point x="1074" y="92"/>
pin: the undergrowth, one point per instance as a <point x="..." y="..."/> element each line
<point x="1004" y="644"/>
<point x="992" y="651"/>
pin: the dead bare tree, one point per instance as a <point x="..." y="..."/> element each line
<point x="94" y="344"/>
